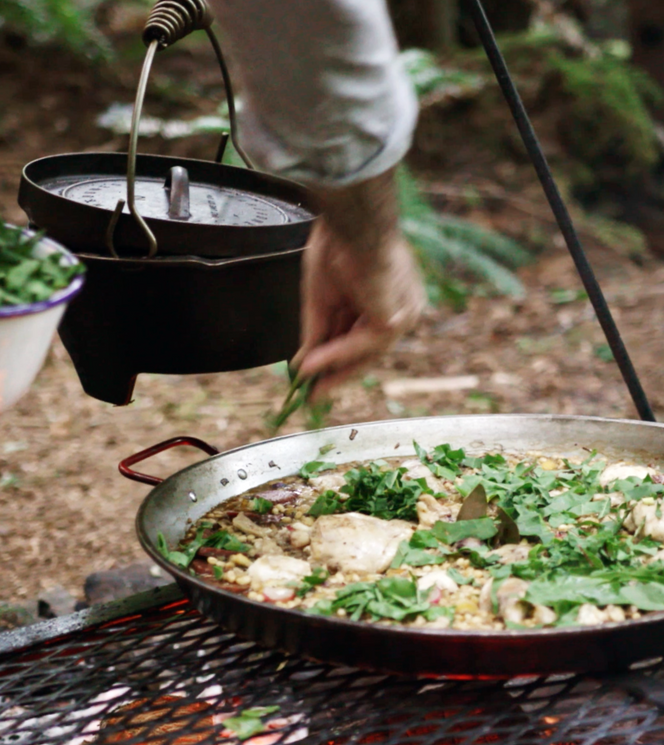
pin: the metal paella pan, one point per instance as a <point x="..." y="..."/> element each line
<point x="183" y="498"/>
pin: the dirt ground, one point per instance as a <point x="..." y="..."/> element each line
<point x="64" y="509"/>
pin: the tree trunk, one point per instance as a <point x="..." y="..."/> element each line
<point x="436" y="24"/>
<point x="647" y="37"/>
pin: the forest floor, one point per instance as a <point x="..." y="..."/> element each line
<point x="64" y="509"/>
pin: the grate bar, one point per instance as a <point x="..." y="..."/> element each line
<point x="158" y="673"/>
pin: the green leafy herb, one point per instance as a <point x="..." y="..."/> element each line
<point x="415" y="557"/>
<point x="218" y="572"/>
<point x="381" y="492"/>
<point x="326" y="504"/>
<point x="183" y="556"/>
<point x="315" y="466"/>
<point x="397" y="598"/>
<point x="442" y="461"/>
<point x="317" y="577"/>
<point x="482" y="528"/>
<point x="249" y="722"/>
<point x="459" y="578"/>
<point x="261" y="506"/>
<point x="26" y="277"/>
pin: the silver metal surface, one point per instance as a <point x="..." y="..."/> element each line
<point x="209" y="204"/>
<point x="169" y="509"/>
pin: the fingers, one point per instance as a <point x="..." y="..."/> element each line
<point x="341" y="353"/>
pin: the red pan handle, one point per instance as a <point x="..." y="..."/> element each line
<point x="125" y="465"/>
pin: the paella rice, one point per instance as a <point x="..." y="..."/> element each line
<point x="444" y="540"/>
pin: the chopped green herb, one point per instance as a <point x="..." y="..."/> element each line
<point x="382" y="492"/>
<point x="26" y="277"/>
<point x="183" y="556"/>
<point x="315" y="466"/>
<point x="249" y="722"/>
<point x="218" y="571"/>
<point x="397" y="598"/>
<point x="261" y="506"/>
<point x="482" y="528"/>
<point x="326" y="504"/>
<point x="317" y="577"/>
<point x="415" y="557"/>
<point x="459" y="578"/>
<point x="442" y="461"/>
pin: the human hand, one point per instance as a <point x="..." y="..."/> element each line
<point x="361" y="287"/>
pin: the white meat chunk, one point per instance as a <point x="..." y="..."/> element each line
<point x="624" y="471"/>
<point x="510" y="597"/>
<point x="277" y="571"/>
<point x="643" y="518"/>
<point x="485" y="601"/>
<point x="544" y="616"/>
<point x="248" y="526"/>
<point x="300" y="535"/>
<point x="267" y="547"/>
<point x="357" y="543"/>
<point x="430" y="510"/>
<point x="437" y="578"/>
<point x="325" y="481"/>
<point x="511" y="553"/>
<point x="590" y="615"/>
<point x="417" y="470"/>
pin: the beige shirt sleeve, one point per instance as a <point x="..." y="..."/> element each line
<point x="325" y="98"/>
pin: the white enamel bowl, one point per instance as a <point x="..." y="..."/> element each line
<point x="26" y="331"/>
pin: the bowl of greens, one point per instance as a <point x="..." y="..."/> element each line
<point x="38" y="277"/>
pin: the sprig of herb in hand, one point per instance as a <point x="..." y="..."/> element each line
<point x="297" y="398"/>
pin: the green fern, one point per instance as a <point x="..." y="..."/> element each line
<point x="449" y="246"/>
<point x="611" y="108"/>
<point x="69" y="23"/>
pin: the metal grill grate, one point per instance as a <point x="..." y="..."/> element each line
<point x="163" y="675"/>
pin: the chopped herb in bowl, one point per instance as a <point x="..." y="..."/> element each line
<point x="29" y="274"/>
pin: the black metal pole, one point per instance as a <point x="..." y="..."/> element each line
<point x="560" y="211"/>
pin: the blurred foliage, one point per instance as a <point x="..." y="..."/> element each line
<point x="69" y="23"/>
<point x="611" y="103"/>
<point x="450" y="248"/>
<point x="429" y="77"/>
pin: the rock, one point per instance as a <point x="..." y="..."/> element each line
<point x="116" y="584"/>
<point x="14" y="616"/>
<point x="57" y="601"/>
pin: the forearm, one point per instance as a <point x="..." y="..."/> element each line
<point x="325" y="99"/>
<point x="364" y="216"/>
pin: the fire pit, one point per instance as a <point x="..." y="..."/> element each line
<point x="152" y="670"/>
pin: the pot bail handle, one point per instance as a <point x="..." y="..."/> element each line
<point x="125" y="465"/>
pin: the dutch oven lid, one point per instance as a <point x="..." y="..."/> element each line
<point x="192" y="207"/>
